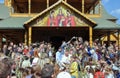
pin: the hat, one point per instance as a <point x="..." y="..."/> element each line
<point x="64" y="75"/>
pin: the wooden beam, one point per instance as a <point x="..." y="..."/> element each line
<point x="29" y="35"/>
<point x="93" y="15"/>
<point x="83" y="2"/>
<point x="115" y="36"/>
<point x="90" y="36"/>
<point x="95" y="4"/>
<point x="65" y="0"/>
<point x="47" y="3"/>
<point x="23" y="14"/>
<point x="29" y="6"/>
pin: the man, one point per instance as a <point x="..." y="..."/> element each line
<point x="47" y="71"/>
<point x="65" y="61"/>
<point x="58" y="55"/>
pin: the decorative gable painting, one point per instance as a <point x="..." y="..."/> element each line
<point x="60" y="17"/>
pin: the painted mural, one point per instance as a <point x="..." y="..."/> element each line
<point x="61" y="17"/>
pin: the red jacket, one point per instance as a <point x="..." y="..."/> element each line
<point x="99" y="75"/>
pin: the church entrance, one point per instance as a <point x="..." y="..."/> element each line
<point x="56" y="35"/>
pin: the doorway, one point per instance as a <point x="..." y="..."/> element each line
<point x="57" y="41"/>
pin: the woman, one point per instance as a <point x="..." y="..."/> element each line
<point x="74" y="67"/>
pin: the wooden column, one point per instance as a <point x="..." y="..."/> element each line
<point x="10" y="7"/>
<point x="47" y="3"/>
<point x="29" y="6"/>
<point x="0" y="42"/>
<point x="90" y="36"/>
<point x="65" y="0"/>
<point x="29" y="35"/>
<point x="25" y="38"/>
<point x="83" y="1"/>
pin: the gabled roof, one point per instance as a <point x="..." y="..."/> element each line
<point x="105" y="14"/>
<point x="105" y="24"/>
<point x="4" y="11"/>
<point x="53" y="6"/>
<point x="13" y="23"/>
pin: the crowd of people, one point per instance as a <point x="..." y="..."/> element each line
<point x="73" y="59"/>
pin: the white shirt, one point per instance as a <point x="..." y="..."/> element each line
<point x="65" y="60"/>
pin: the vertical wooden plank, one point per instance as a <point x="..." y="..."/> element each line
<point x="29" y="6"/>
<point x="90" y="36"/>
<point x="47" y="3"/>
<point x="65" y="0"/>
<point x="83" y="1"/>
<point x="29" y="35"/>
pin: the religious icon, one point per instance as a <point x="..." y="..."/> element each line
<point x="60" y="18"/>
<point x="70" y="19"/>
<point x="52" y="19"/>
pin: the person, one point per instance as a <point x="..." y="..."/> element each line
<point x="26" y="62"/>
<point x="5" y="67"/>
<point x="26" y="50"/>
<point x="52" y="20"/>
<point x="47" y="71"/>
<point x="4" y="49"/>
<point x="98" y="73"/>
<point x="58" y="56"/>
<point x="65" y="59"/>
<point x="60" y="18"/>
<point x="70" y="20"/>
<point x="74" y="67"/>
